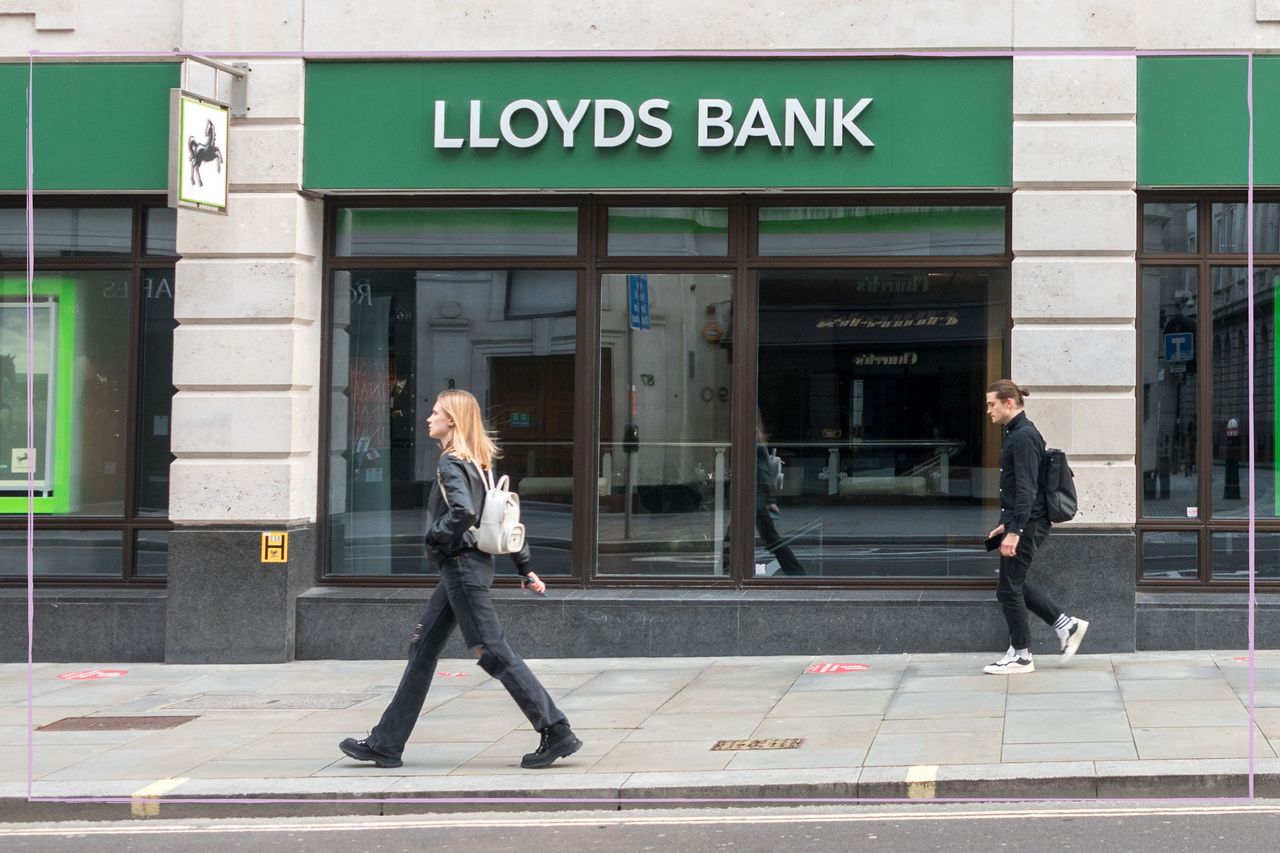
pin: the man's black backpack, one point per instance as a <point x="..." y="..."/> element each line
<point x="1059" y="486"/>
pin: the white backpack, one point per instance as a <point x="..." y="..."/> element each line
<point x="499" y="530"/>
<point x="774" y="462"/>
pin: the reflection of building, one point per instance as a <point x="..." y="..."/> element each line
<point x="625" y="285"/>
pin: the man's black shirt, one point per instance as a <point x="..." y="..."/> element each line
<point x="1021" y="454"/>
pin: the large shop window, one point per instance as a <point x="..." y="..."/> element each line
<point x="874" y="458"/>
<point x="1195" y="385"/>
<point x="101" y="356"/>
<point x="399" y="338"/>
<point x="873" y="331"/>
<point x="664" y="423"/>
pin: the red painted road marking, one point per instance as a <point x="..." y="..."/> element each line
<point x="1244" y="659"/>
<point x="836" y="668"/>
<point x="452" y="674"/>
<point x="90" y="674"/>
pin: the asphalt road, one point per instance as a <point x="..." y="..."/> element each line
<point x="1139" y="827"/>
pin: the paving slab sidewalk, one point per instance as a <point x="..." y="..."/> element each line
<point x="1166" y="724"/>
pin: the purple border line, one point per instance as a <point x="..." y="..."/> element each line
<point x="621" y="800"/>
<point x="391" y="55"/>
<point x="589" y="54"/>
<point x="31" y="428"/>
<point x="1253" y="439"/>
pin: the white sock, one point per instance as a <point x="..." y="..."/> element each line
<point x="1025" y="654"/>
<point x="1064" y="623"/>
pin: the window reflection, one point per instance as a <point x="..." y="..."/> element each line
<point x="1170" y="227"/>
<point x="665" y="376"/>
<point x="1230" y="228"/>
<point x="400" y="337"/>
<point x="1169" y="394"/>
<point x="64" y="553"/>
<point x="81" y="383"/>
<point x="674" y="231"/>
<point x="1170" y="556"/>
<point x="418" y="231"/>
<point x="1231" y="556"/>
<point x="1229" y="430"/>
<point x="871" y="390"/>
<point x="67" y="231"/>
<point x="882" y="230"/>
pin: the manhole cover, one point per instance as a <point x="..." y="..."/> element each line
<point x="258" y="701"/>
<point x="114" y="724"/>
<point x="764" y="743"/>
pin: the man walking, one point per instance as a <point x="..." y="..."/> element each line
<point x="1023" y="529"/>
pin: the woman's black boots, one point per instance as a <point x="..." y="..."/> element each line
<point x="558" y="741"/>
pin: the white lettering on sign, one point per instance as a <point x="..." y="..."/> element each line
<point x="540" y="119"/>
<point x="719" y="121"/>
<point x="757" y="124"/>
<point x="604" y="106"/>
<point x="476" y="140"/>
<point x="442" y="141"/>
<point x="847" y="125"/>
<point x="526" y="123"/>
<point x="815" y="129"/>
<point x="568" y="124"/>
<point x="648" y="119"/>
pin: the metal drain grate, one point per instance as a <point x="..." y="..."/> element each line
<point x="765" y="743"/>
<point x="114" y="724"/>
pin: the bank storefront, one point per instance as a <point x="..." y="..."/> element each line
<point x="732" y="320"/>
<point x="649" y="335"/>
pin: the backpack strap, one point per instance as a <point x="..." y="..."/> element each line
<point x="486" y="477"/>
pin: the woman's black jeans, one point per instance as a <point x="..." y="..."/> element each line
<point x="1016" y="596"/>
<point x="773" y="543"/>
<point x="461" y="599"/>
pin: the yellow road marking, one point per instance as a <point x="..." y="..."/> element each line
<point x="144" y="804"/>
<point x="922" y="782"/>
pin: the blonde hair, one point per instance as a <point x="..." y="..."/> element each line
<point x="469" y="440"/>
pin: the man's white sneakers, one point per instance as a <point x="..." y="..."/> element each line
<point x="1075" y="636"/>
<point x="1010" y="664"/>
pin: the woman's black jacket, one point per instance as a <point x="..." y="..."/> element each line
<point x="453" y="508"/>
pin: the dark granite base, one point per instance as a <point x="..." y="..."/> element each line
<point x="86" y="625"/>
<point x="225" y="605"/>
<point x="1090" y="574"/>
<point x="1171" y="621"/>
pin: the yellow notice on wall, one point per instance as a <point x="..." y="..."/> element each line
<point x="275" y="547"/>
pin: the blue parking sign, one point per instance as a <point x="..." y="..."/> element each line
<point x="1179" y="346"/>
<point x="638" y="301"/>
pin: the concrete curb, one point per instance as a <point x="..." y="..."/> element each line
<point x="312" y="797"/>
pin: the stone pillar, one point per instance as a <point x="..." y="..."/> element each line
<point x="1075" y="283"/>
<point x="246" y="367"/>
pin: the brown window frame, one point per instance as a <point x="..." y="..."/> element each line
<point x="1203" y="260"/>
<point x="592" y="260"/>
<point x="136" y="263"/>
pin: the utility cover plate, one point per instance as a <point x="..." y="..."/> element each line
<point x="764" y="743"/>
<point x="114" y="724"/>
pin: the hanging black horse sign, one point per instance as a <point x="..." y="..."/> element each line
<point x="198" y="154"/>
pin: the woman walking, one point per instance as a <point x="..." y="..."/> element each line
<point x="462" y="598"/>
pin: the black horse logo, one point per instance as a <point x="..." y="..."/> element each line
<point x="203" y="153"/>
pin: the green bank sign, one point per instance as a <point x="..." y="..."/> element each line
<point x="654" y="124"/>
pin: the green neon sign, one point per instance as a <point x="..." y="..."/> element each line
<point x="56" y="299"/>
